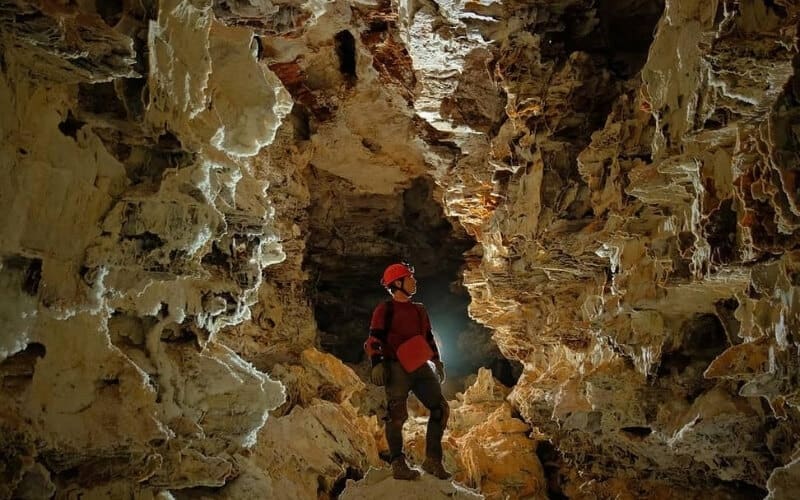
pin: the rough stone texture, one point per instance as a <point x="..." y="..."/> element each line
<point x="635" y="222"/>
<point x="783" y="483"/>
<point x="188" y="186"/>
<point x="486" y="447"/>
<point x="379" y="484"/>
<point x="133" y="231"/>
<point x="314" y="442"/>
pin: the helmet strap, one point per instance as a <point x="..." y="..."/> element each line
<point x="401" y="288"/>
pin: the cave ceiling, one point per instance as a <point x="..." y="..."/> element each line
<point x="197" y="198"/>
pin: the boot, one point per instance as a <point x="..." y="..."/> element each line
<point x="401" y="470"/>
<point x="435" y="468"/>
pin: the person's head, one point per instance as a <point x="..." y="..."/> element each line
<point x="399" y="280"/>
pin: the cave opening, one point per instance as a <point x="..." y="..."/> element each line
<point x="70" y="126"/>
<point x="16" y="371"/>
<point x="703" y="338"/>
<point x="354" y="236"/>
<point x="616" y="36"/>
<point x="346" y="53"/>
<point x="110" y="10"/>
<point x="627" y="28"/>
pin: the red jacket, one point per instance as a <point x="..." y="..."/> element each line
<point x="407" y="320"/>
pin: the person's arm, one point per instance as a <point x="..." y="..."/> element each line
<point x="437" y="360"/>
<point x="429" y="333"/>
<point x="375" y="346"/>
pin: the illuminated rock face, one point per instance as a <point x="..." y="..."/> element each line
<point x="134" y="230"/>
<point x="180" y="176"/>
<point x="636" y="225"/>
<point x="486" y="447"/>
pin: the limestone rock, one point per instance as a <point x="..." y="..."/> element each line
<point x="194" y="193"/>
<point x="615" y="207"/>
<point x="378" y="484"/>
<point x="783" y="483"/>
<point x="64" y="43"/>
<point x="152" y="239"/>
<point x="485" y="446"/>
<point x="500" y="459"/>
<point x="315" y="448"/>
<point x="314" y="441"/>
<point x="318" y="376"/>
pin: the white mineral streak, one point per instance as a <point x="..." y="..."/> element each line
<point x="175" y="176"/>
<point x="106" y="272"/>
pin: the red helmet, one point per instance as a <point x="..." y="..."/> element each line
<point x="396" y="272"/>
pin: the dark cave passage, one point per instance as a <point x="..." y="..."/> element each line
<point x="354" y="236"/>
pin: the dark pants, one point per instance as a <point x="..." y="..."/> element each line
<point x="424" y="383"/>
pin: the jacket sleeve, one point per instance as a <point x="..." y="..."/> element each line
<point x="429" y="333"/>
<point x="375" y="346"/>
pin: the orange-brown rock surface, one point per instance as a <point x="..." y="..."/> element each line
<point x="635" y="234"/>
<point x="198" y="196"/>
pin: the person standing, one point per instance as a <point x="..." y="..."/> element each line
<point x="400" y="346"/>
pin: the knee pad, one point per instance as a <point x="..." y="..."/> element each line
<point x="442" y="412"/>
<point x="398" y="412"/>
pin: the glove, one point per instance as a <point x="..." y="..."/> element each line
<point x="439" y="370"/>
<point x="378" y="374"/>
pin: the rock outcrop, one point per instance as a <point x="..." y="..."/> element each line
<point x="134" y="229"/>
<point x="379" y="484"/>
<point x="634" y="219"/>
<point x="486" y="446"/>
<point x="198" y="193"/>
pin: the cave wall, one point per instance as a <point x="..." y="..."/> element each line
<point x="635" y="218"/>
<point x="134" y="229"/>
<point x="171" y="170"/>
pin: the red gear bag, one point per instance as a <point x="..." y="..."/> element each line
<point x="414" y="353"/>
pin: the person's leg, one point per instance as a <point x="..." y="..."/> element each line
<point x="425" y="385"/>
<point x="397" y="412"/>
<point x="396" y="397"/>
